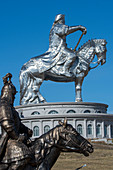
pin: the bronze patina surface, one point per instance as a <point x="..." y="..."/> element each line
<point x="15" y="151"/>
<point x="13" y="146"/>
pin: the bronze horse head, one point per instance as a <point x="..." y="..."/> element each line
<point x="73" y="141"/>
<point x="62" y="138"/>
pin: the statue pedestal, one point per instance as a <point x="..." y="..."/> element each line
<point x="90" y="119"/>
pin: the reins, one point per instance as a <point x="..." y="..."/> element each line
<point x="94" y="66"/>
<point x="95" y="63"/>
<point x="86" y="61"/>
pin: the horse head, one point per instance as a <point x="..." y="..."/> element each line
<point x="72" y="141"/>
<point x="100" y="50"/>
<point x="47" y="148"/>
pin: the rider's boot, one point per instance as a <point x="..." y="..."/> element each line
<point x="66" y="72"/>
<point x="66" y="68"/>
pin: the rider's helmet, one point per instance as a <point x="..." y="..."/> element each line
<point x="8" y="91"/>
<point x="59" y="17"/>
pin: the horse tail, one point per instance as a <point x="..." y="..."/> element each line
<point x="24" y="82"/>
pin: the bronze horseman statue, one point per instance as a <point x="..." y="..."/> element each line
<point x="60" y="63"/>
<point x="12" y="143"/>
<point x="41" y="154"/>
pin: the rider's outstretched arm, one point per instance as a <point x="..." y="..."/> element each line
<point x="72" y="29"/>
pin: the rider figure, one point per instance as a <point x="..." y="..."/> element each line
<point x="57" y="60"/>
<point x="12" y="147"/>
<point x="57" y="41"/>
<point x="58" y="53"/>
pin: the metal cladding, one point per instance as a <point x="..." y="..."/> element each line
<point x="60" y="63"/>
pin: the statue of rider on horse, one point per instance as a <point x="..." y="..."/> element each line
<point x="15" y="151"/>
<point x="59" y="63"/>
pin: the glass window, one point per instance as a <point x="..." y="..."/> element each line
<point x="71" y="111"/>
<point x="98" y="129"/>
<point x="87" y="111"/>
<point x="53" y="112"/>
<point x="35" y="113"/>
<point x="21" y="115"/>
<point x="36" y="131"/>
<point x="79" y="128"/>
<point x="98" y="111"/>
<point x="46" y="128"/>
<point x="105" y="130"/>
<point x="89" y="129"/>
<point x="111" y="130"/>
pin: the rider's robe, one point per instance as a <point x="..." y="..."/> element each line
<point x="12" y="149"/>
<point x="57" y="53"/>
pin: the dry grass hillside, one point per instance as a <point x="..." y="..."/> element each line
<point x="100" y="159"/>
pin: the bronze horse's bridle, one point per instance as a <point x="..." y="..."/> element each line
<point x="63" y="148"/>
<point x="79" y="147"/>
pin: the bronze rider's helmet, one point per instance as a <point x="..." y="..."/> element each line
<point x="8" y="91"/>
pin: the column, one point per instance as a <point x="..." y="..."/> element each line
<point x="103" y="129"/>
<point x="74" y="123"/>
<point x="94" y="131"/>
<point x="85" y="129"/>
<point x="41" y="127"/>
<point x="30" y="124"/>
<point x="52" y="123"/>
<point x="109" y="131"/>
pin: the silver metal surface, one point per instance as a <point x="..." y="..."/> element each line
<point x="59" y="63"/>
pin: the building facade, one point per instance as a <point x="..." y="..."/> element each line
<point x="90" y="119"/>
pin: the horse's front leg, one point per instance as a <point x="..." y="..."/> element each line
<point x="78" y="88"/>
<point x="44" y="166"/>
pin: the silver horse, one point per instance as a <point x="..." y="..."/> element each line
<point x="30" y="82"/>
<point x="59" y="63"/>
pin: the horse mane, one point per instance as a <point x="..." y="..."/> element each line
<point x="46" y="140"/>
<point x="92" y="42"/>
<point x="52" y="135"/>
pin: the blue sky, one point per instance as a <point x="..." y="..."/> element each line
<point x="24" y="33"/>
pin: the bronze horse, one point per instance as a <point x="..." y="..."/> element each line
<point x="31" y="79"/>
<point x="63" y="137"/>
<point x="46" y="149"/>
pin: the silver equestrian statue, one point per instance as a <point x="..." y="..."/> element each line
<point x="60" y="63"/>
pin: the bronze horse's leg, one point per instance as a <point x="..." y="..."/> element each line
<point x="50" y="159"/>
<point x="43" y="166"/>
